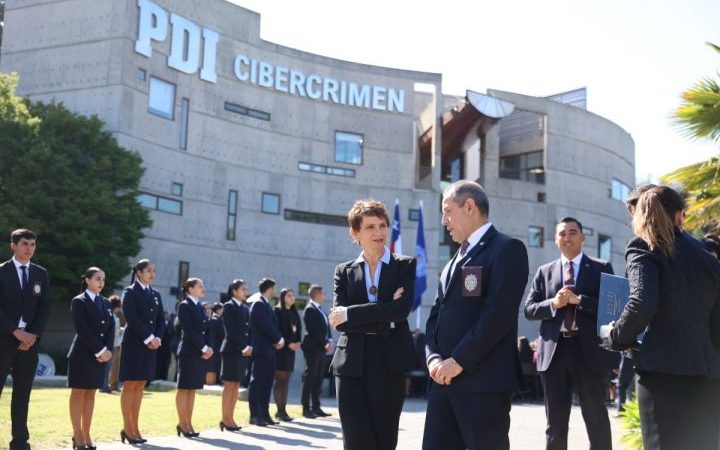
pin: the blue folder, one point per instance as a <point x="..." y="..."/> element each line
<point x="614" y="294"/>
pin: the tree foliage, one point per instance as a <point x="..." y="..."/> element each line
<point x="66" y="178"/>
<point x="698" y="117"/>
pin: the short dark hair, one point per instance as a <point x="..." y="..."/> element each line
<point x="314" y="289"/>
<point x="22" y="233"/>
<point x="265" y="284"/>
<point x="217" y="307"/>
<point x="570" y="220"/>
<point x="115" y="301"/>
<point x="462" y="190"/>
<point x="366" y="208"/>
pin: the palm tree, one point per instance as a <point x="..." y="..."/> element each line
<point x="698" y="118"/>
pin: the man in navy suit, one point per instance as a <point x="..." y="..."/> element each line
<point x="315" y="345"/>
<point x="265" y="338"/>
<point x="472" y="329"/>
<point x="564" y="295"/>
<point x="24" y="310"/>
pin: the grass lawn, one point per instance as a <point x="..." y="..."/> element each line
<point x="49" y="422"/>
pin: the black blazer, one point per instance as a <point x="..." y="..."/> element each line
<point x="94" y="330"/>
<point x="365" y="317"/>
<point x="480" y="333"/>
<point x="677" y="302"/>
<point x="195" y="328"/>
<point x="547" y="282"/>
<point x="217" y="333"/>
<point x="236" y="321"/>
<point x="264" y="327"/>
<point x="287" y="318"/>
<point x="317" y="331"/>
<point x="33" y="305"/>
<point x="144" y="315"/>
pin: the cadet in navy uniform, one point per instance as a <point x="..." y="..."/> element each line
<point x="24" y="309"/>
<point x="266" y="338"/>
<point x="316" y="344"/>
<point x="89" y="353"/>
<point x="217" y="333"/>
<point x="143" y="310"/>
<point x="194" y="350"/>
<point x="289" y="321"/>
<point x="373" y="297"/>
<point x="235" y="350"/>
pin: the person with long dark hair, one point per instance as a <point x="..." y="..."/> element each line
<point x="145" y="323"/>
<point x="235" y="350"/>
<point x="194" y="350"/>
<point x="291" y="330"/>
<point x="90" y="351"/>
<point x="675" y="300"/>
<point x="218" y="335"/>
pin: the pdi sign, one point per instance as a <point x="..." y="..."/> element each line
<point x="185" y="41"/>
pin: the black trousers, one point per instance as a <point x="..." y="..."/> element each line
<point x="260" y="388"/>
<point x="459" y="420"/>
<point x="567" y="371"/>
<point x="370" y="405"/>
<point x="679" y="412"/>
<point x="314" y="375"/>
<point x="22" y="367"/>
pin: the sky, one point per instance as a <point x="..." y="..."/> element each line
<point x="635" y="57"/>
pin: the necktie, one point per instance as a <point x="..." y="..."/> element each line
<point x="24" y="278"/>
<point x="99" y="304"/>
<point x="569" y="314"/>
<point x="464" y="248"/>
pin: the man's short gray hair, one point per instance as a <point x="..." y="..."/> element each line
<point x="462" y="190"/>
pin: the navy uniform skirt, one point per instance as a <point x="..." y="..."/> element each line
<point x="285" y="359"/>
<point x="191" y="372"/>
<point x="234" y="366"/>
<point x="137" y="363"/>
<point x="85" y="374"/>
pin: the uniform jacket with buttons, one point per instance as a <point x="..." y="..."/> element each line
<point x="236" y="320"/>
<point x="144" y="315"/>
<point x="93" y="329"/>
<point x="195" y="327"/>
<point x="33" y="305"/>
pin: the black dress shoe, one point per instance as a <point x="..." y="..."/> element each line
<point x="309" y="415"/>
<point x="257" y="421"/>
<point x="283" y="417"/>
<point x="270" y="421"/>
<point x="320" y="413"/>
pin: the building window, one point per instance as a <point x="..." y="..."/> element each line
<point x="588" y="231"/>
<point x="158" y="203"/>
<point x="270" y="203"/>
<point x="535" y="236"/>
<point x="184" y="113"/>
<point x="604" y="247"/>
<point x="620" y="190"/>
<point x="245" y="111"/>
<point x="317" y="218"/>
<point x="303" y="288"/>
<point x="414" y="215"/>
<point x="231" y="215"/>
<point x="541" y="197"/>
<point x="177" y="189"/>
<point x="141" y="74"/>
<point x="524" y="167"/>
<point x="161" y="99"/>
<point x="348" y="147"/>
<point x="329" y="170"/>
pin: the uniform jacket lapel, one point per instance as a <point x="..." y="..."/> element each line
<point x="359" y="292"/>
<point x="476" y="250"/>
<point x="385" y="288"/>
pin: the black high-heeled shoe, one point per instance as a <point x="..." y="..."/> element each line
<point x="124" y="437"/>
<point x="140" y="440"/>
<point x="74" y="444"/>
<point x="187" y="434"/>
<point x="90" y="447"/>
<point x="224" y="427"/>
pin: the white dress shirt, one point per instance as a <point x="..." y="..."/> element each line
<point x="374" y="281"/>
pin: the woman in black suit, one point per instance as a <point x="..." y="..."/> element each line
<point x="291" y="329"/>
<point x="675" y="300"/>
<point x="218" y="335"/>
<point x="373" y="297"/>
<point x="145" y="323"/>
<point x="194" y="350"/>
<point x="89" y="353"/>
<point x="235" y="350"/>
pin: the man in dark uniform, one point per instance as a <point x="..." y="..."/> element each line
<point x="266" y="338"/>
<point x="564" y="295"/>
<point x="24" y="310"/>
<point x="472" y="329"/>
<point x="315" y="345"/>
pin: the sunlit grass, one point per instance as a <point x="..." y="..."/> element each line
<point x="49" y="421"/>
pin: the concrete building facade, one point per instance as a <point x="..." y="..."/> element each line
<point x="254" y="151"/>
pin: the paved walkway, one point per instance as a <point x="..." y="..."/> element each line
<point x="526" y="431"/>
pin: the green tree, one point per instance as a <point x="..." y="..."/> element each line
<point x="67" y="179"/>
<point x="698" y="117"/>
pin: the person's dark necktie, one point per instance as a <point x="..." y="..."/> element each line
<point x="464" y="248"/>
<point x="99" y="304"/>
<point x="25" y="281"/>
<point x="569" y="314"/>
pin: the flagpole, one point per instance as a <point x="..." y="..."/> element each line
<point x="419" y="308"/>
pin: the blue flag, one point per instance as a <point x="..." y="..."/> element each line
<point x="396" y="237"/>
<point x="420" y="270"/>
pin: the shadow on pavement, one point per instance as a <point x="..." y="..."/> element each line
<point x="317" y="425"/>
<point x="224" y="443"/>
<point x="311" y="433"/>
<point x="281" y="440"/>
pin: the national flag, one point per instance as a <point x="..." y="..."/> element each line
<point x="421" y="268"/>
<point x="396" y="238"/>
